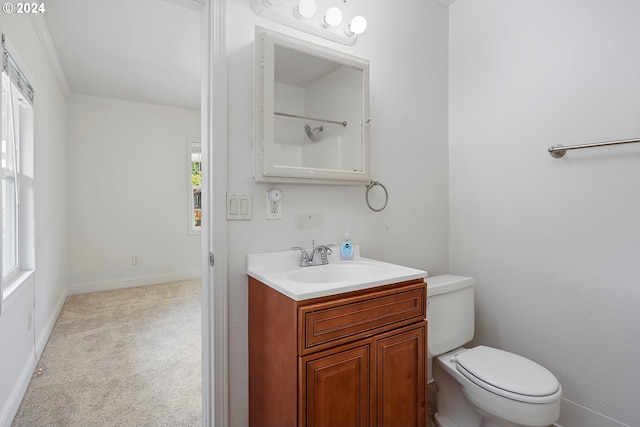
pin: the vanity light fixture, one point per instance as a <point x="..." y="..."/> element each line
<point x="305" y="9"/>
<point x="300" y="14"/>
<point x="357" y="26"/>
<point x="332" y="17"/>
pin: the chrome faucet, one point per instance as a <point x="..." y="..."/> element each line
<point x="306" y="260"/>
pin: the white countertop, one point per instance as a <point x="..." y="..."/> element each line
<point x="280" y="271"/>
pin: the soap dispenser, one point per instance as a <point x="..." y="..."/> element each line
<point x="346" y="247"/>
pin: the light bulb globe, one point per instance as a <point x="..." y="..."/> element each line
<point x="357" y="26"/>
<point x="306" y="9"/>
<point x="332" y="18"/>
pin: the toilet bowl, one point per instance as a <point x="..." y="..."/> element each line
<point x="482" y="386"/>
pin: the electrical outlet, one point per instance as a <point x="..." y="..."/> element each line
<point x="135" y="260"/>
<point x="273" y="202"/>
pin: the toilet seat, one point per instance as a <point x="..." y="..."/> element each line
<point x="508" y="375"/>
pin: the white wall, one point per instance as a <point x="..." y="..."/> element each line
<point x="553" y="243"/>
<point x="128" y="194"/>
<point x="17" y="353"/>
<point x="407" y="50"/>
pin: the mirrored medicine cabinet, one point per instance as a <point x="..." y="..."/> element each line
<point x="311" y="119"/>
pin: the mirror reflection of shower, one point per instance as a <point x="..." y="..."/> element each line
<point x="313" y="134"/>
<point x="311" y="105"/>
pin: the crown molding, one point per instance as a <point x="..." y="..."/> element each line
<point x="49" y="48"/>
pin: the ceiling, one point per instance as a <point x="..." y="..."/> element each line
<point x="143" y="50"/>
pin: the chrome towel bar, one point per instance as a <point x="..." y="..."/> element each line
<point x="560" y="150"/>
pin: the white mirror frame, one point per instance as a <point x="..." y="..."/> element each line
<point x="264" y="121"/>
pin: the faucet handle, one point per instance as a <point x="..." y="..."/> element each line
<point x="304" y="258"/>
<point x="304" y="252"/>
<point x="324" y="250"/>
<point x="327" y="248"/>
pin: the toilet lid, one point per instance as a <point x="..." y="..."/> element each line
<point x="498" y="370"/>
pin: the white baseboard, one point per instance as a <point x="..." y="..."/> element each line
<point x="20" y="387"/>
<point x="47" y="328"/>
<point x="574" y="415"/>
<point x="18" y="392"/>
<point x="84" y="288"/>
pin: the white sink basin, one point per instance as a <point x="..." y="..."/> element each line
<point x="334" y="273"/>
<point x="280" y="271"/>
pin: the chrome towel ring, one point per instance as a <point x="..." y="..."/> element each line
<point x="386" y="196"/>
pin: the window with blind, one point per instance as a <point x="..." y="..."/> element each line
<point x="16" y="158"/>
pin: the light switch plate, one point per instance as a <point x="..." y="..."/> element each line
<point x="239" y="206"/>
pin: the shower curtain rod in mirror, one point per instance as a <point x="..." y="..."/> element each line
<point x="295" y="116"/>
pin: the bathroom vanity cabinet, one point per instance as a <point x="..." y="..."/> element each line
<point x="353" y="359"/>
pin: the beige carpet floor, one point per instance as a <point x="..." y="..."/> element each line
<point x="129" y="357"/>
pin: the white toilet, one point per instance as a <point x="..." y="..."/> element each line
<point x="481" y="386"/>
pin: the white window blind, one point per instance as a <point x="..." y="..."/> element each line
<point x="18" y="78"/>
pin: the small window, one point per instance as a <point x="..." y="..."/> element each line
<point x="195" y="186"/>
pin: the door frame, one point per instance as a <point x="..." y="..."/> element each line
<point x="215" y="380"/>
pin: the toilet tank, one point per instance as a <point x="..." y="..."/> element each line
<point x="450" y="312"/>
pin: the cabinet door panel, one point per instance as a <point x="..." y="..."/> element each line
<point x="401" y="378"/>
<point x="337" y="386"/>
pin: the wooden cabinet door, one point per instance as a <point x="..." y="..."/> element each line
<point x="336" y="387"/>
<point x="401" y="378"/>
